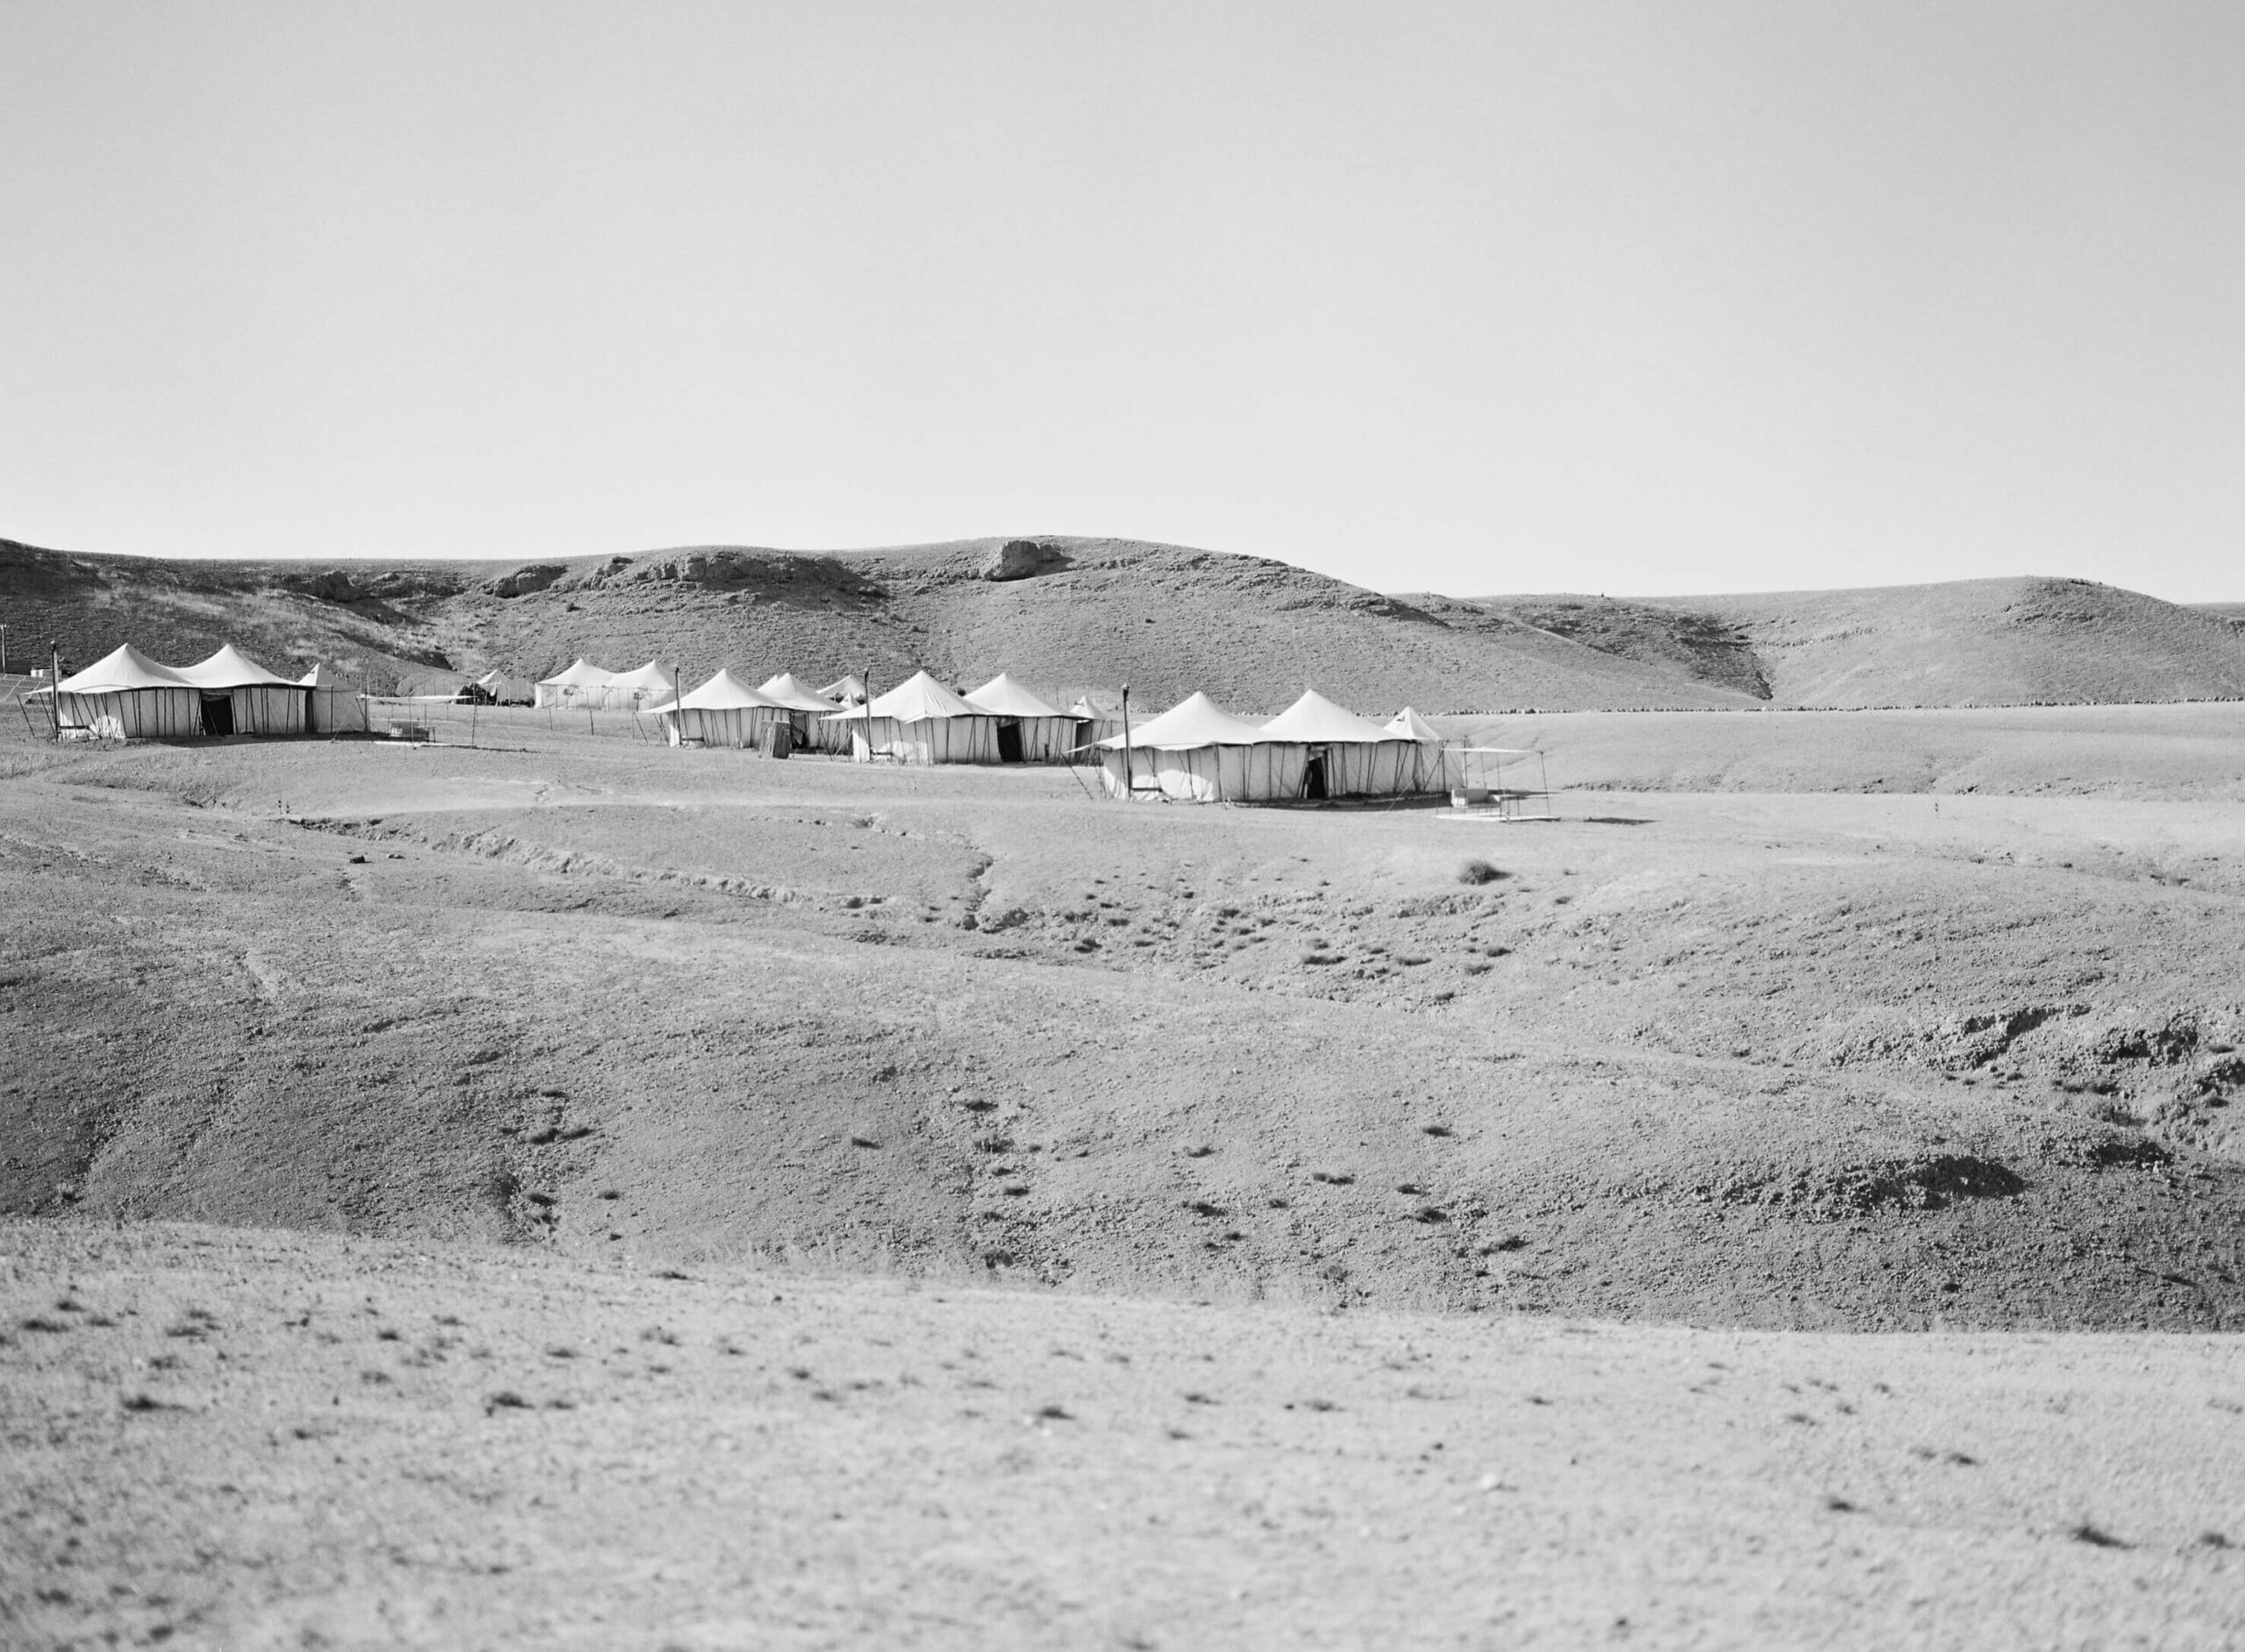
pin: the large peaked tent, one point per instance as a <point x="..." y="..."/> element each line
<point x="642" y="689"/>
<point x="806" y="707"/>
<point x="1028" y="730"/>
<point x="1431" y="765"/>
<point x="239" y="696"/>
<point x="920" y="721"/>
<point x="723" y="711"/>
<point x="1198" y="752"/>
<point x="125" y="695"/>
<point x="583" y="686"/>
<point x="330" y="706"/>
<point x="1349" y="756"/>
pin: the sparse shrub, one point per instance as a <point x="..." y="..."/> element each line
<point x="2095" y="1536"/>
<point x="1478" y="871"/>
<point x="505" y="1399"/>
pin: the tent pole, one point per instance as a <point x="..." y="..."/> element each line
<point x="54" y="685"/>
<point x="1129" y="779"/>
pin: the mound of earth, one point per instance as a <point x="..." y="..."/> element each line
<point x="2026" y="641"/>
<point x="375" y="624"/>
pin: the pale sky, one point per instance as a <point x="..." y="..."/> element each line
<point x="1635" y="298"/>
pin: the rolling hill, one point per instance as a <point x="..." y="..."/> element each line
<point x="1070" y="614"/>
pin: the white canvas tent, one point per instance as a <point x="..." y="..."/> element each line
<point x="1434" y="772"/>
<point x="239" y="696"/>
<point x="1350" y="756"/>
<point x="330" y="706"/>
<point x="642" y="689"/>
<point x="503" y="690"/>
<point x="125" y="695"/>
<point x="846" y="690"/>
<point x="1198" y="752"/>
<point x="920" y="721"/>
<point x="1093" y="722"/>
<point x="584" y="686"/>
<point x="806" y="706"/>
<point x="723" y="711"/>
<point x="1028" y="730"/>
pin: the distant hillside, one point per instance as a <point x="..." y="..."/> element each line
<point x="1063" y="614"/>
<point x="1980" y="642"/>
<point x="1068" y="614"/>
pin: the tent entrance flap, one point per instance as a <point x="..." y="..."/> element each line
<point x="1312" y="776"/>
<point x="217" y="712"/>
<point x="1009" y="743"/>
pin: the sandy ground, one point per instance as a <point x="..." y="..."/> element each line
<point x="225" y="1439"/>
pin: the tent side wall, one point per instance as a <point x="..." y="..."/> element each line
<point x="741" y="726"/>
<point x="927" y="740"/>
<point x="819" y="735"/>
<point x="1387" y="768"/>
<point x="1046" y="739"/>
<point x="336" y="711"/>
<point x="267" y="708"/>
<point x="134" y="713"/>
<point x="1264" y="773"/>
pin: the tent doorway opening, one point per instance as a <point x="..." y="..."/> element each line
<point x="1312" y="776"/>
<point x="218" y="714"/>
<point x="1009" y="743"/>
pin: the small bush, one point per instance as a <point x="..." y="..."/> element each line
<point x="1477" y="870"/>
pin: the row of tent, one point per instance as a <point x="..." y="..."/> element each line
<point x="125" y="695"/>
<point x="1198" y="752"/>
<point x="1195" y="750"/>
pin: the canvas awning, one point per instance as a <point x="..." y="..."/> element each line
<point x="230" y="668"/>
<point x="1314" y="719"/>
<point x="1002" y="697"/>
<point x="786" y="690"/>
<point x="654" y="677"/>
<point x="119" y="672"/>
<point x="1409" y="725"/>
<point x="918" y="698"/>
<point x="724" y="692"/>
<point x="1196" y="721"/>
<point x="583" y="675"/>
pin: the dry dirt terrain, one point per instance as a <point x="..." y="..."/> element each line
<point x="269" y="1441"/>
<point x="1900" y="1022"/>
